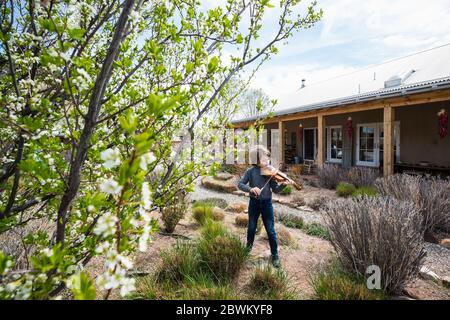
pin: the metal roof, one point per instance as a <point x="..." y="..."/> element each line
<point x="423" y="72"/>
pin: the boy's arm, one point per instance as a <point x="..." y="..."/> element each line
<point x="276" y="187"/>
<point x="244" y="180"/>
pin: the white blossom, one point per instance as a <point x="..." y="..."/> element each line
<point x="146" y="196"/>
<point x="146" y="159"/>
<point x="110" y="186"/>
<point x="111" y="158"/>
<point x="106" y="225"/>
<point x="128" y="286"/>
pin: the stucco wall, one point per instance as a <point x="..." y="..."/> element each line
<point x="419" y="138"/>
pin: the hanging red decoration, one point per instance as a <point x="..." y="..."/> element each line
<point x="349" y="127"/>
<point x="443" y="123"/>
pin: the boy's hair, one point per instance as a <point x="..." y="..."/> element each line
<point x="256" y="152"/>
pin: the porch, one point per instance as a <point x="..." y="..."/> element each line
<point x="395" y="136"/>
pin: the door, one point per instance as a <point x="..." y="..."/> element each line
<point x="309" y="144"/>
<point x="370" y="144"/>
<point x="367" y="145"/>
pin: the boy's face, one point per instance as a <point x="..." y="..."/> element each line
<point x="264" y="160"/>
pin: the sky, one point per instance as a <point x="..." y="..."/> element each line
<point x="351" y="35"/>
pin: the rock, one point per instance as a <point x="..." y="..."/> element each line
<point x="237" y="207"/>
<point x="445" y="243"/>
<point x="446" y="281"/>
<point x="306" y="208"/>
<point x="223" y="176"/>
<point x="427" y="274"/>
<point x="401" y="298"/>
<point x="219" y="185"/>
<point x="239" y="193"/>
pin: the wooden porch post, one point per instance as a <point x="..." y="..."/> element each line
<point x="280" y="143"/>
<point x="320" y="140"/>
<point x="388" y="147"/>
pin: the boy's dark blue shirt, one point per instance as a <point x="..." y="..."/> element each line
<point x="253" y="177"/>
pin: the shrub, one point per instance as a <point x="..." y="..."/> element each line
<point x="177" y="263"/>
<point x="222" y="256"/>
<point x="293" y="221"/>
<point x="318" y="203"/>
<point x="365" y="191"/>
<point x="330" y="175"/>
<point x="344" y="189"/>
<point x="362" y="176"/>
<point x="202" y="213"/>
<point x="379" y="231"/>
<point x="267" y="282"/>
<point x="287" y="190"/>
<point x="317" y="230"/>
<point x="333" y="283"/>
<point x="212" y="202"/>
<point x="173" y="213"/>
<point x="430" y="196"/>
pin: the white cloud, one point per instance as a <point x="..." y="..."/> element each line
<point x="369" y="31"/>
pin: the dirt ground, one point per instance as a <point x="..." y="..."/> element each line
<point x="299" y="260"/>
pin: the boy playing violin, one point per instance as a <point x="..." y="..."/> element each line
<point x="260" y="189"/>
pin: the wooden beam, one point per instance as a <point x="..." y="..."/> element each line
<point x="409" y="100"/>
<point x="320" y="140"/>
<point x="388" y="142"/>
<point x="280" y="143"/>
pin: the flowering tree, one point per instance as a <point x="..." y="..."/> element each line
<point x="92" y="94"/>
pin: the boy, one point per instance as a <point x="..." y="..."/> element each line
<point x="260" y="189"/>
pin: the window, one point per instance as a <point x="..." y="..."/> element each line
<point x="334" y="144"/>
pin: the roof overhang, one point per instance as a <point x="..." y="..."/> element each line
<point x="375" y="96"/>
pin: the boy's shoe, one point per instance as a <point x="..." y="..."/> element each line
<point x="276" y="262"/>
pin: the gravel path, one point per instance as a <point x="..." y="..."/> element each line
<point x="438" y="259"/>
<point x="308" y="216"/>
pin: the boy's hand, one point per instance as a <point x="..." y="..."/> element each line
<point x="256" y="191"/>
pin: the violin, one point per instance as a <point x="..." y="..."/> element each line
<point x="279" y="176"/>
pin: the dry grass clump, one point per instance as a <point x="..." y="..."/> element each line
<point x="334" y="283"/>
<point x="270" y="283"/>
<point x="284" y="236"/>
<point x="237" y="207"/>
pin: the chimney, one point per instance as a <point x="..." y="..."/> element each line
<point x="303" y="83"/>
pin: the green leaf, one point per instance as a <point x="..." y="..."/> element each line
<point x="76" y="33"/>
<point x="212" y="65"/>
<point x="239" y="38"/>
<point x="189" y="67"/>
<point x="82" y="287"/>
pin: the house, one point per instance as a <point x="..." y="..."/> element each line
<point x="384" y="116"/>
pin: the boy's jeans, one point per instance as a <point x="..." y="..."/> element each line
<point x="265" y="208"/>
